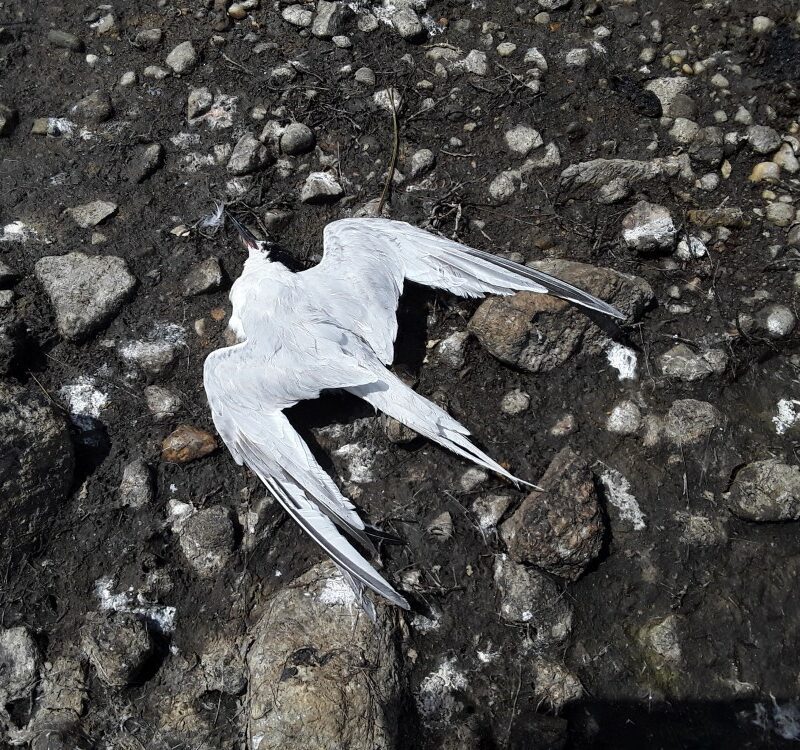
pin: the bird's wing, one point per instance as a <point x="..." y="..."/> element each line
<point x="246" y="395"/>
<point x="367" y="260"/>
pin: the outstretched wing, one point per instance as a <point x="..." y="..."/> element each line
<point x="246" y="396"/>
<point x="367" y="260"/>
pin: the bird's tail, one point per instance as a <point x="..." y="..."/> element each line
<point x="395" y="399"/>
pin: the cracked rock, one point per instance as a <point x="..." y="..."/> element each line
<point x="86" y="291"/>
<point x="559" y="529"/>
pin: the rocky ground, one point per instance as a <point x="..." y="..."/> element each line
<point x="647" y="150"/>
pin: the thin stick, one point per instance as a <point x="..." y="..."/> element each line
<point x="395" y="149"/>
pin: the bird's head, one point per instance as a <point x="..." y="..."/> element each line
<point x="251" y="243"/>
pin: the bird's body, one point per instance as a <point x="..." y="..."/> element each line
<point x="333" y="327"/>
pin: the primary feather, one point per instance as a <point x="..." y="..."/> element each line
<point x="334" y="326"/>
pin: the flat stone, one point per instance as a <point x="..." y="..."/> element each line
<point x="146" y="161"/>
<point x="320" y="187"/>
<point x="599" y="172"/>
<point x="489" y="509"/>
<point x="298" y="15"/>
<point x="681" y="363"/>
<point x="118" y="645"/>
<point x="559" y="529"/>
<point x="86" y="291"/>
<point x="183" y="58"/>
<point x="529" y="597"/>
<point x="724" y="216"/>
<point x="91" y="214"/>
<point x="306" y="667"/>
<point x="198" y="102"/>
<point x="766" y="490"/>
<point x="204" y="277"/>
<point x="207" y="539"/>
<point x="148" y="38"/>
<point x="538" y="332"/>
<point x="187" y="443"/>
<point x="93" y="109"/>
<point x="65" y="40"/>
<point x="330" y="19"/>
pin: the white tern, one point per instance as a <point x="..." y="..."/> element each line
<point x="333" y="326"/>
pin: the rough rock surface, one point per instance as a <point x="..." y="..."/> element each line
<point x="558" y="529"/>
<point x="207" y="539"/>
<point x="86" y="291"/>
<point x="19" y="663"/>
<point x="187" y="443"/>
<point x="118" y="644"/>
<point x="38" y="458"/>
<point x="539" y="333"/>
<point x="766" y="490"/>
<point x="322" y="675"/>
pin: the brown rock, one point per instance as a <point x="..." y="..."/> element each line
<point x="186" y="444"/>
<point x="561" y="528"/>
<point x="538" y="333"/>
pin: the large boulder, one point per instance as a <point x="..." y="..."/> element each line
<point x="321" y="674"/>
<point x="537" y="332"/>
<point x="36" y="459"/>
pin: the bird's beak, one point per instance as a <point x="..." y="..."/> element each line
<point x="245" y="235"/>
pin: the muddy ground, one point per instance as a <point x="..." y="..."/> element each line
<point x="732" y="597"/>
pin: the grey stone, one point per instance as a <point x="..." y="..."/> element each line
<point x="762" y="139"/>
<point x="330" y="19"/>
<point x="9" y="118"/>
<point x="451" y="351"/>
<point x="86" y="291"/>
<point x="422" y="161"/>
<point x="472" y="478"/>
<point x="224" y="666"/>
<point x="689" y="422"/>
<point x="515" y="402"/>
<point x="59" y="704"/>
<point x="776" y="321"/>
<point x="578" y="57"/>
<point x="667" y="90"/>
<point x="183" y="58"/>
<point x="625" y="419"/>
<point x="136" y="488"/>
<point x="298" y="15"/>
<point x="117" y="644"/>
<point x="365" y="76"/>
<point x="146" y="160"/>
<point x="441" y="526"/>
<point x="249" y="155"/>
<point x="320" y="187"/>
<point x="163" y="403"/>
<point x="38" y="459"/>
<point x="307" y="666"/>
<point x="91" y="214"/>
<point x="7" y="274"/>
<point x="560" y="528"/>
<point x="475" y="63"/>
<point x="297" y="139"/>
<point x="659" y="640"/>
<point x="93" y="109"/>
<point x="148" y="38"/>
<point x="553" y="4"/>
<point x="204" y="277"/>
<point x="65" y="40"/>
<point x="504" y="185"/>
<point x="707" y="147"/>
<point x="780" y="214"/>
<point x="489" y="509"/>
<point x="554" y="685"/>
<point x="522" y="139"/>
<point x="681" y="363"/>
<point x="615" y="191"/>
<point x="538" y="333"/>
<point x="648" y="227"/>
<point x="406" y="22"/>
<point x="198" y="102"/>
<point x="154" y="357"/>
<point x="599" y="172"/>
<point x="530" y="597"/>
<point x="766" y="491"/>
<point x="207" y="539"/>
<point x="19" y="664"/>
